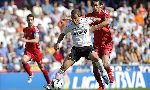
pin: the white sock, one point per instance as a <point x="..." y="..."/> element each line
<point x="100" y="66"/>
<point x="59" y="74"/>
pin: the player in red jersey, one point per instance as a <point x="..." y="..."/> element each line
<point x="32" y="49"/>
<point x="102" y="41"/>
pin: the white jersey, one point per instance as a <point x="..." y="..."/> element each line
<point x="81" y="34"/>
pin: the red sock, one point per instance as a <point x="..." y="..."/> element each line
<point x="45" y="73"/>
<point x="108" y="69"/>
<point x="27" y="68"/>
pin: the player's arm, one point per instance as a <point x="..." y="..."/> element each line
<point x="90" y="20"/>
<point x="60" y="38"/>
<point x="101" y="25"/>
<point x="35" y="40"/>
<point x="104" y="23"/>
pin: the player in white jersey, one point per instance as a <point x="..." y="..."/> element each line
<point x="82" y="44"/>
<point x="80" y="32"/>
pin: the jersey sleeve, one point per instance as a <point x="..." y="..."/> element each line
<point x="67" y="29"/>
<point x="36" y="32"/>
<point x="90" y="20"/>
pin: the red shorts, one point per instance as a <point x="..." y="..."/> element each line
<point x="103" y="50"/>
<point x="34" y="55"/>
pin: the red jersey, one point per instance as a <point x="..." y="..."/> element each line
<point x="102" y="37"/>
<point x="29" y="33"/>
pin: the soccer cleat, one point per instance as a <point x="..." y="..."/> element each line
<point x="47" y="87"/>
<point x="111" y="77"/>
<point x="106" y="78"/>
<point x="100" y="88"/>
<point x="30" y="78"/>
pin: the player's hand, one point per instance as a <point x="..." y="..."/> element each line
<point x="97" y="19"/>
<point x="23" y="39"/>
<point x="56" y="46"/>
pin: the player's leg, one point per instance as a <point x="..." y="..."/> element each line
<point x="66" y="64"/>
<point x="26" y="66"/>
<point x="105" y="59"/>
<point x="44" y="71"/>
<point x="97" y="76"/>
<point x="96" y="71"/>
<point x="98" y="62"/>
<point x="37" y="57"/>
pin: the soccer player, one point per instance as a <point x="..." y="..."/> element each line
<point x="82" y="44"/>
<point x="32" y="49"/>
<point x="102" y="41"/>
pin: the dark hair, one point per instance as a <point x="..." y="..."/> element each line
<point x="75" y="11"/>
<point x="30" y="15"/>
<point x="100" y="2"/>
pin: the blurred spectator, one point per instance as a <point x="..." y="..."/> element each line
<point x="134" y="8"/>
<point x="3" y="65"/>
<point x="55" y="16"/>
<point x="83" y="8"/>
<point x="147" y="22"/>
<point x="19" y="49"/>
<point x="70" y="8"/>
<point x="61" y="8"/>
<point x="50" y="48"/>
<point x="139" y="19"/>
<point x="12" y="6"/>
<point x="142" y="10"/>
<point x="47" y="7"/>
<point x="37" y="10"/>
<point x="20" y="3"/>
<point x="3" y="50"/>
<point x="58" y="56"/>
<point x="146" y="56"/>
<point x="20" y="27"/>
<point x="5" y="6"/>
<point x="89" y="6"/>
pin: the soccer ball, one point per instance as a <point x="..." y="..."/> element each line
<point x="57" y="84"/>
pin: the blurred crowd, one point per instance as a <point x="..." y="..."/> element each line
<point x="129" y="22"/>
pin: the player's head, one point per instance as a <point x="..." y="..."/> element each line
<point x="97" y="5"/>
<point x="75" y="16"/>
<point x="30" y="19"/>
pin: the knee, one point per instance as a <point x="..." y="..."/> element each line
<point x="105" y="63"/>
<point x="94" y="57"/>
<point x="41" y="66"/>
<point x="25" y="59"/>
<point x="105" y="60"/>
